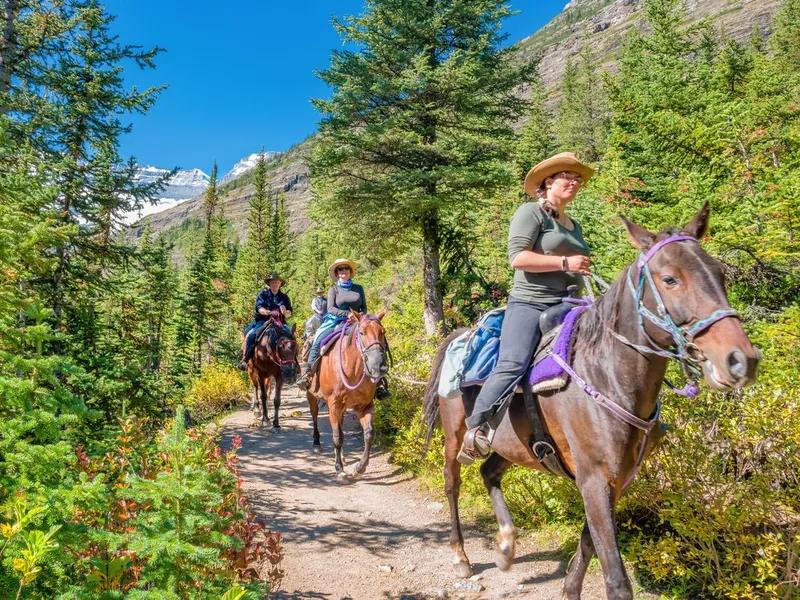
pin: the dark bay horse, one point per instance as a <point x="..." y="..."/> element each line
<point x="621" y="354"/>
<point x="277" y="365"/>
<point x="347" y="378"/>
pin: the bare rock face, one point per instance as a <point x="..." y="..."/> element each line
<point x="602" y="24"/>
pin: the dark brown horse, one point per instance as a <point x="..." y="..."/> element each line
<point x="347" y="378"/>
<point x="273" y="364"/>
<point x="622" y="356"/>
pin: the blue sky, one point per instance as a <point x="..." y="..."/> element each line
<point x="240" y="74"/>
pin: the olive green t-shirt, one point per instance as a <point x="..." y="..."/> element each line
<point x="533" y="229"/>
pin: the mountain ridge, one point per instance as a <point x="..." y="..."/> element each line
<point x="601" y="23"/>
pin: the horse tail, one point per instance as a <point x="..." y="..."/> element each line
<point x="430" y="402"/>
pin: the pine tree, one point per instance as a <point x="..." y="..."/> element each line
<point x="417" y="131"/>
<point x="253" y="261"/>
<point x="581" y="126"/>
<point x="536" y="143"/>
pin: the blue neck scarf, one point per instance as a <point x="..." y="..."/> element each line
<point x="346" y="285"/>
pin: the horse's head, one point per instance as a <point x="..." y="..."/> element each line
<point x="286" y="348"/>
<point x="683" y="289"/>
<point x="372" y="342"/>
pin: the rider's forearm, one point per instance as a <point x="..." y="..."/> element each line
<point x="533" y="262"/>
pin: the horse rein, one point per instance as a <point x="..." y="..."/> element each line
<point x="383" y="346"/>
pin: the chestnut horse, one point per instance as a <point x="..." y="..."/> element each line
<point x="277" y="365"/>
<point x="347" y="378"/>
<point x="672" y="297"/>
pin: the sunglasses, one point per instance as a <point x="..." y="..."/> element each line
<point x="341" y="269"/>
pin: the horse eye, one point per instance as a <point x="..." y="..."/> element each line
<point x="669" y="281"/>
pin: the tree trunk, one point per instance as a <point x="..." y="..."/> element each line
<point x="433" y="309"/>
<point x="8" y="47"/>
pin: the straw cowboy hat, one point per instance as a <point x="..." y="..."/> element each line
<point x="566" y="161"/>
<point x="342" y="262"/>
<point x="273" y="276"/>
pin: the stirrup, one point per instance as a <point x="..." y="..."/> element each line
<point x="304" y="383"/>
<point x="477" y="444"/>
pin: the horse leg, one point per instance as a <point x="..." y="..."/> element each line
<point x="313" y="403"/>
<point x="492" y="471"/>
<point x="264" y="386"/>
<point x="336" y="417"/>
<point x="573" y="582"/>
<point x="255" y="402"/>
<point x="276" y="403"/>
<point x="365" y="417"/>
<point x="452" y="489"/>
<point x="598" y="501"/>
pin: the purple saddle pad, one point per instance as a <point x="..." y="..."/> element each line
<point x="334" y="334"/>
<point x="549" y="368"/>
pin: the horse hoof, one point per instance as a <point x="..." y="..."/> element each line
<point x="463" y="570"/>
<point x="276" y="428"/>
<point x="352" y="470"/>
<point x="342" y="477"/>
<point x="316" y="449"/>
<point x="503" y="562"/>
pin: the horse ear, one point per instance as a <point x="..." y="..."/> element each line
<point x="294" y="328"/>
<point x="381" y="314"/>
<point x="638" y="235"/>
<point x="356" y="314"/>
<point x="698" y="226"/>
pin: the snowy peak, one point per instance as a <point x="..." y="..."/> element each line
<point x="244" y="165"/>
<point x="181" y="186"/>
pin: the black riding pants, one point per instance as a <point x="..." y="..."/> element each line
<point x="518" y="339"/>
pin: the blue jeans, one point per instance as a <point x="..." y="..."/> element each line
<point x="518" y="339"/>
<point x="328" y="324"/>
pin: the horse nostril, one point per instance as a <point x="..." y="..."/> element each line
<point x="737" y="364"/>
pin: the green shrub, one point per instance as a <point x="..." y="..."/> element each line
<point x="216" y="390"/>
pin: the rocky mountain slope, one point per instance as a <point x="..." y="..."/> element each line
<point x="286" y="172"/>
<point x="602" y="24"/>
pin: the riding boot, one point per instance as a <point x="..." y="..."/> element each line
<point x="304" y="383"/>
<point x="382" y="390"/>
<point x="477" y="444"/>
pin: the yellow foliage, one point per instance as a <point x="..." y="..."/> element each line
<point x="216" y="390"/>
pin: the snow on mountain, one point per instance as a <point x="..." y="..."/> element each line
<point x="244" y="165"/>
<point x="181" y="186"/>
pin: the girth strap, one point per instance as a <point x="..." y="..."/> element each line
<point x="541" y="444"/>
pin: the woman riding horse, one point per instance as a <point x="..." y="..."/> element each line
<point x="269" y="299"/>
<point x="547" y="250"/>
<point x="344" y="296"/>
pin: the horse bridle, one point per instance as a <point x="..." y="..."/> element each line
<point x="683" y="336"/>
<point x="382" y="347"/>
<point x="275" y="355"/>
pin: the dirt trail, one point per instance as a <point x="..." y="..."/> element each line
<point x="378" y="537"/>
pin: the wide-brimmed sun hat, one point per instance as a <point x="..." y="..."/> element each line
<point x="342" y="262"/>
<point x="273" y="276"/>
<point x="566" y="161"/>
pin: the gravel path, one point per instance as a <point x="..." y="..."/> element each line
<point x="378" y="537"/>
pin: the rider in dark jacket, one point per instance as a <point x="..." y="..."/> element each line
<point x="269" y="299"/>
